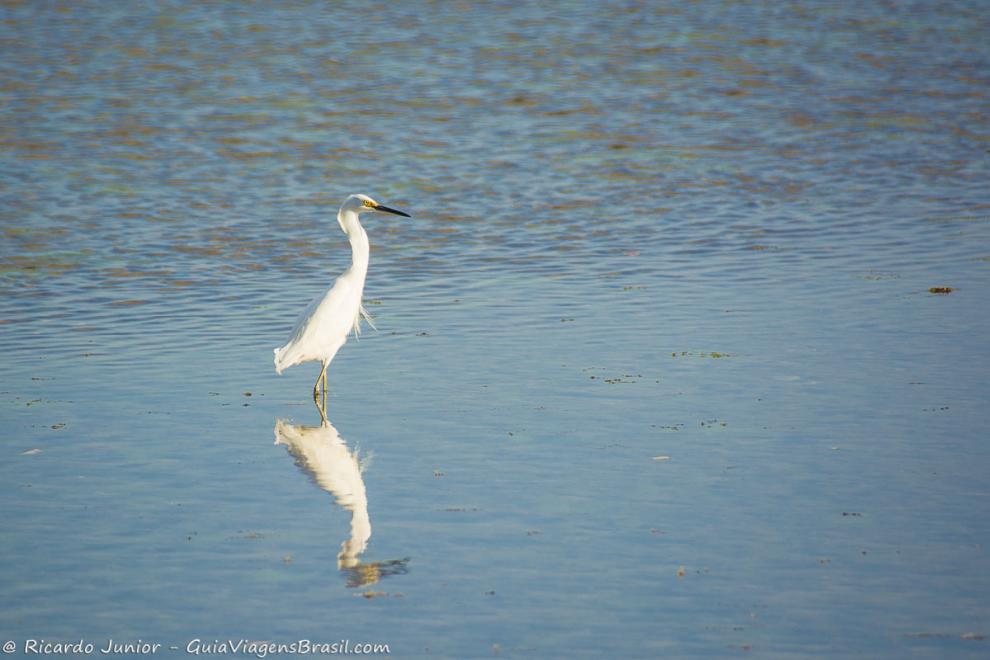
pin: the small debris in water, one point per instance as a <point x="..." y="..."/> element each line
<point x="247" y="394"/>
<point x="31" y="452"/>
<point x="624" y="378"/>
<point x="60" y="425"/>
<point x="287" y="560"/>
<point x="940" y="290"/>
<point x="928" y="635"/>
<point x="854" y="514"/>
<point x="681" y="572"/>
<point x="375" y="594"/>
<point x="878" y="275"/>
<point x="669" y="427"/>
<point x="438" y="474"/>
<point x="245" y="535"/>
<point x="661" y="458"/>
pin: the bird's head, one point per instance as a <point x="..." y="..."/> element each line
<point x="363" y="203"/>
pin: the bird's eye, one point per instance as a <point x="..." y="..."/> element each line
<point x="370" y="204"/>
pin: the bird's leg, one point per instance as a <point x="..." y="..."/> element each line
<point x="322" y="407"/>
<point x="324" y="387"/>
<point x="316" y="387"/>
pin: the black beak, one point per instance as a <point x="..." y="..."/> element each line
<point x="388" y="210"/>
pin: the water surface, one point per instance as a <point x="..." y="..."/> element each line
<point x="659" y="371"/>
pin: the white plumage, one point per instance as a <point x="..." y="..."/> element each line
<point x="325" y="324"/>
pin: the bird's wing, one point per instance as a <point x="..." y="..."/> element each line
<point x="324" y="316"/>
<point x="307" y="313"/>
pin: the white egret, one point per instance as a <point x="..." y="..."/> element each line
<point x="324" y="325"/>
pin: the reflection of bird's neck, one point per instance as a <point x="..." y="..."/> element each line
<point x="358" y="237"/>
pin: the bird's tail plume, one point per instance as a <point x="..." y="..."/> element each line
<point x="363" y="313"/>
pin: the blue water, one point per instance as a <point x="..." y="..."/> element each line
<point x="659" y="368"/>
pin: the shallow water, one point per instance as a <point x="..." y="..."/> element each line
<point x="658" y="369"/>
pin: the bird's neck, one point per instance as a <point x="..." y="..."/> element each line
<point x="359" y="249"/>
<point x="358" y="238"/>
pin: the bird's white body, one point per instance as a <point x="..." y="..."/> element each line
<point x="326" y="323"/>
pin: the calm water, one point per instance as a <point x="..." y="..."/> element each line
<point x="658" y="370"/>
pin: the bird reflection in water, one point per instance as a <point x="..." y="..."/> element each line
<point x="322" y="454"/>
